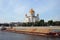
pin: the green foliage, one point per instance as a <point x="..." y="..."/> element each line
<point x="50" y="22"/>
<point x="37" y="23"/>
<point x="41" y="23"/>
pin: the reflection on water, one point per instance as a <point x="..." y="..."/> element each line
<point x="15" y="36"/>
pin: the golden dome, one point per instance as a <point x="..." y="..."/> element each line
<point x="32" y="11"/>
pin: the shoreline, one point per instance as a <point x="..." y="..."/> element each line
<point x="40" y="31"/>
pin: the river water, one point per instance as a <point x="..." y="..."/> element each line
<point x="16" y="36"/>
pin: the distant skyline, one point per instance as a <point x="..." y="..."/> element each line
<point x="15" y="10"/>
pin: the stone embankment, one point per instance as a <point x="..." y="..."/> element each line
<point x="44" y="31"/>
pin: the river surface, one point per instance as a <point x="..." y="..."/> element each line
<point x="16" y="36"/>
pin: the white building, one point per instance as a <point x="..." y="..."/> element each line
<point x="32" y="17"/>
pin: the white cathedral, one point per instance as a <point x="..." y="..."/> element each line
<point x="32" y="17"/>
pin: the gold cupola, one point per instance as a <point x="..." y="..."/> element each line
<point x="31" y="11"/>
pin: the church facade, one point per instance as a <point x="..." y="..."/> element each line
<point x="32" y="17"/>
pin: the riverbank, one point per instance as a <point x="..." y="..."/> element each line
<point x="44" y="31"/>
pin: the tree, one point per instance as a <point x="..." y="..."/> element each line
<point x="36" y="23"/>
<point x="56" y="23"/>
<point x="41" y="23"/>
<point x="50" y="22"/>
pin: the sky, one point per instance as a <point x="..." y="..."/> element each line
<point x="15" y="10"/>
